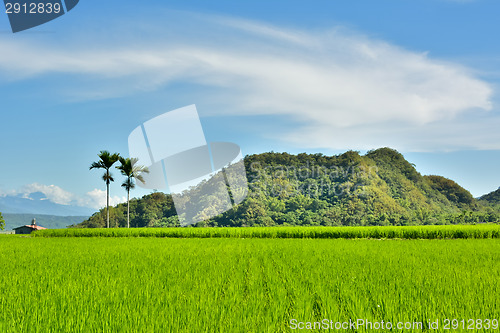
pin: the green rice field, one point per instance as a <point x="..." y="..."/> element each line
<point x="155" y="284"/>
<point x="411" y="232"/>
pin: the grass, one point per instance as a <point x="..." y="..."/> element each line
<point x="413" y="232"/>
<point x="240" y="285"/>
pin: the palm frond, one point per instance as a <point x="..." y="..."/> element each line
<point x="125" y="166"/>
<point x="96" y="165"/>
<point x="138" y="170"/>
<point x="128" y="184"/>
<point x="129" y="168"/>
<point x="140" y="178"/>
<point x="108" y="177"/>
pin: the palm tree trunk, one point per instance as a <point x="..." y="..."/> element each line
<point x="128" y="208"/>
<point x="107" y="205"/>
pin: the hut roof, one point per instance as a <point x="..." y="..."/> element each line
<point x="34" y="227"/>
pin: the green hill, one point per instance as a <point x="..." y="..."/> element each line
<point x="492" y="198"/>
<point x="379" y="188"/>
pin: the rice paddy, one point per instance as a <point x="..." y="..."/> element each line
<point x="203" y="284"/>
<point x="410" y="232"/>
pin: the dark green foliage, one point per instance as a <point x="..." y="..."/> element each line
<point x="153" y="210"/>
<point x="492" y="198"/>
<point x="2" y="222"/>
<point x="379" y="188"/>
<point x="452" y="191"/>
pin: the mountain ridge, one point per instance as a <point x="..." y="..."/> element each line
<point x="47" y="221"/>
<point x="378" y="188"/>
<point x="37" y="203"/>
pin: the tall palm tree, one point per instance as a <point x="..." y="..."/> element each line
<point x="106" y="161"/>
<point x="130" y="169"/>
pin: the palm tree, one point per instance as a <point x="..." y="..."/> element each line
<point x="106" y="161"/>
<point x="131" y="170"/>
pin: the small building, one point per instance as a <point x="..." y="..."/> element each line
<point x="28" y="229"/>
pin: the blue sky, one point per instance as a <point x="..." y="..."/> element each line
<point x="316" y="76"/>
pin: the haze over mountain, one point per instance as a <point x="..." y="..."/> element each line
<point x="38" y="203"/>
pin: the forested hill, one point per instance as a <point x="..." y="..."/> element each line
<point x="379" y="188"/>
<point x="492" y="198"/>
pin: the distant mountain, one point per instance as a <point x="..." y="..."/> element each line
<point x="48" y="221"/>
<point x="492" y="198"/>
<point x="37" y="203"/>
<point x="379" y="188"/>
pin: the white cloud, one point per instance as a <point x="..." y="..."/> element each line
<point x="95" y="199"/>
<point x="343" y="90"/>
<point x="52" y="192"/>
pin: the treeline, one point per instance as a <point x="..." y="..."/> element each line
<point x="379" y="188"/>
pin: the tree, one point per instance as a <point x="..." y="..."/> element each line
<point x="130" y="169"/>
<point x="2" y="222"/>
<point x="106" y="161"/>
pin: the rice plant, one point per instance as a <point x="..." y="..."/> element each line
<point x="130" y="284"/>
<point x="411" y="232"/>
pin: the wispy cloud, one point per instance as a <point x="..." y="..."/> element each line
<point x="342" y="89"/>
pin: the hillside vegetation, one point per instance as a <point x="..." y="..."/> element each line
<point x="492" y="198"/>
<point x="379" y="188"/>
